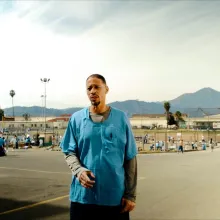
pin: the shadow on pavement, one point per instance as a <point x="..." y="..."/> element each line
<point x="34" y="213"/>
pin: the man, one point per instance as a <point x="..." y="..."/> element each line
<point x="6" y="143"/>
<point x="181" y="146"/>
<point x="100" y="150"/>
<point x="211" y="144"/>
<point x="14" y="142"/>
<point x="2" y="145"/>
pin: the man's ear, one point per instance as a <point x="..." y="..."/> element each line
<point x="107" y="89"/>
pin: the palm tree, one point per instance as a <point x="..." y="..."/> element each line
<point x="166" y="106"/>
<point x="26" y="116"/>
<point x="179" y="118"/>
<point x="12" y="94"/>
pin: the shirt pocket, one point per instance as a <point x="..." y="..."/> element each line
<point x="110" y="135"/>
<point x="112" y="150"/>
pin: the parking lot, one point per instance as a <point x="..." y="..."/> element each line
<point x="34" y="184"/>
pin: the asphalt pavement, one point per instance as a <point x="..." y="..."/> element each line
<point x="34" y="184"/>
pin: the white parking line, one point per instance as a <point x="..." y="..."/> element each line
<point x="39" y="171"/>
<point x="42" y="171"/>
<point x="141" y="178"/>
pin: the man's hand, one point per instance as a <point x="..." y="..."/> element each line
<point x="85" y="180"/>
<point x="127" y="205"/>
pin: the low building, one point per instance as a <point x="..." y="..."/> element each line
<point x="148" y="120"/>
<point x="36" y="123"/>
<point x="60" y="122"/>
<point x="8" y="118"/>
<point x="152" y="121"/>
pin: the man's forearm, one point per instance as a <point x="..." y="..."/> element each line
<point x="130" y="167"/>
<point x="74" y="164"/>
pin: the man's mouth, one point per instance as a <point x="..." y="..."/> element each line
<point x="93" y="97"/>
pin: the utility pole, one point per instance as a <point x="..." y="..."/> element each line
<point x="45" y="81"/>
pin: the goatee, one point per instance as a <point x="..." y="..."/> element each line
<point x="95" y="103"/>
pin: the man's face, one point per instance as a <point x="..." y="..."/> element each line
<point x="96" y="91"/>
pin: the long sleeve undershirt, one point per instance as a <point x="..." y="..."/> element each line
<point x="130" y="167"/>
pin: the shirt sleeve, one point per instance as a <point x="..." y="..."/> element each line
<point x="69" y="143"/>
<point x="74" y="164"/>
<point x="130" y="167"/>
<point x="69" y="148"/>
<point x="130" y="148"/>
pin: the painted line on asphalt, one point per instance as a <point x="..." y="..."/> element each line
<point x="42" y="171"/>
<point x="141" y="178"/>
<point x="33" y="205"/>
<point x="39" y="171"/>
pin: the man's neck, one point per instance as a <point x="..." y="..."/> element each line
<point x="98" y="109"/>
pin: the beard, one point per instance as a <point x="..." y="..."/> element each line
<point x="95" y="103"/>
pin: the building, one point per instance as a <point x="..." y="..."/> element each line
<point x="152" y="121"/>
<point x="8" y="118"/>
<point x="35" y="123"/>
<point x="159" y="121"/>
<point x="61" y="121"/>
<point x="146" y="121"/>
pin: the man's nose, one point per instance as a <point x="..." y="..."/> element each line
<point x="93" y="90"/>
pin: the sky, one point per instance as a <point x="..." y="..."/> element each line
<point x="146" y="50"/>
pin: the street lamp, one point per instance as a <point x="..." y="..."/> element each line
<point x="42" y="105"/>
<point x="12" y="94"/>
<point x="45" y="81"/>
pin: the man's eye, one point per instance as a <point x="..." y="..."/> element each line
<point x="96" y="87"/>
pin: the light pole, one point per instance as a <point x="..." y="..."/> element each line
<point x="42" y="105"/>
<point x="12" y="94"/>
<point x="140" y="112"/>
<point x="45" y="81"/>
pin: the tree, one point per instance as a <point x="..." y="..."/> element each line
<point x="1" y="114"/>
<point x="169" y="115"/>
<point x="166" y="106"/>
<point x="26" y="116"/>
<point x="178" y="117"/>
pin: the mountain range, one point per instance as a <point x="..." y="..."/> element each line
<point x="205" y="101"/>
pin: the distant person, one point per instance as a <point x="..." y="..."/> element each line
<point x="211" y="144"/>
<point x="203" y="145"/>
<point x="181" y="146"/>
<point x="53" y="141"/>
<point x="195" y="145"/>
<point x="14" y="142"/>
<point x="37" y="140"/>
<point x="6" y="143"/>
<point x="152" y="147"/>
<point x="100" y="150"/>
<point x="2" y="147"/>
<point x="28" y="141"/>
<point x="41" y="143"/>
<point x="60" y="139"/>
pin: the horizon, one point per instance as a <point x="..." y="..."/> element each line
<point x="205" y="88"/>
<point x="137" y="100"/>
<point x="146" y="50"/>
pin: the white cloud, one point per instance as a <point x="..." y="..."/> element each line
<point x="147" y="50"/>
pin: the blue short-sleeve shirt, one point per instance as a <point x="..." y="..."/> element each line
<point x="102" y="148"/>
<point x="1" y="142"/>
